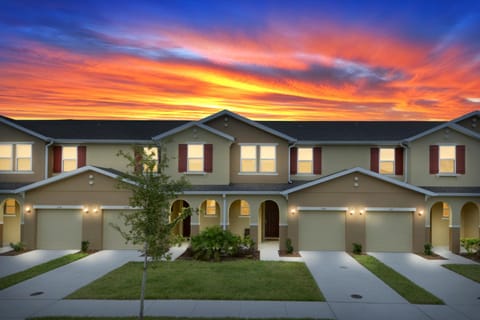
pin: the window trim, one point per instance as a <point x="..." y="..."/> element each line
<point x="14" y="159"/>
<point x="258" y="159"/>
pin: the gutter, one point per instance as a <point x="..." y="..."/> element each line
<point x="225" y="211"/>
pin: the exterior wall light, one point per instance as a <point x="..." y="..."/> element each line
<point x="352" y="211"/>
<point x="28" y="209"/>
<point x="362" y="211"/>
<point x="293" y="211"/>
<point x="420" y="213"/>
<point x="85" y="209"/>
<point x="95" y="210"/>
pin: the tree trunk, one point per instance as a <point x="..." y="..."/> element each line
<point x="144" y="280"/>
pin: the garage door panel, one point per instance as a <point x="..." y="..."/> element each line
<point x="112" y="238"/>
<point x="389" y="231"/>
<point x="59" y="229"/>
<point x="322" y="231"/>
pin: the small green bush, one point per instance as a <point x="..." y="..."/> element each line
<point x="472" y="245"/>
<point x="214" y="243"/>
<point x="289" y="246"/>
<point x="427" y="249"/>
<point x="18" y="247"/>
<point x="85" y="245"/>
<point x="357" y="248"/>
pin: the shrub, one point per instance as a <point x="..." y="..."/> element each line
<point x="427" y="249"/>
<point x="357" y="248"/>
<point x="472" y="245"/>
<point x="289" y="246"/>
<point x="85" y="245"/>
<point x="18" y="247"/>
<point x="214" y="243"/>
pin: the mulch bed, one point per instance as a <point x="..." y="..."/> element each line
<point x="188" y="255"/>
<point x="433" y="256"/>
<point x="14" y="253"/>
<point x="472" y="256"/>
<point x="283" y="253"/>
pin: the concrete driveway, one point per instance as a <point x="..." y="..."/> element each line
<point x="458" y="292"/>
<point x="13" y="264"/>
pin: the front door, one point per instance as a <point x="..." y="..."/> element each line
<point x="271" y="216"/>
<point x="186" y="227"/>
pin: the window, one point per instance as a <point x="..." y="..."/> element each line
<point x="195" y="158"/>
<point x="10" y="206"/>
<point x="153" y="152"/>
<point x="258" y="158"/>
<point x="446" y="162"/>
<point x="211" y="208"/>
<point x="22" y="153"/>
<point x="6" y="156"/>
<point x="244" y="208"/>
<point x="69" y="158"/>
<point x="446" y="211"/>
<point x="387" y="161"/>
<point x="305" y="160"/>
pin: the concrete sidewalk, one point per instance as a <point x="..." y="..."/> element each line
<point x="14" y="264"/>
<point x="459" y="293"/>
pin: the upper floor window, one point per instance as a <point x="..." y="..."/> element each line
<point x="16" y="157"/>
<point x="306" y="160"/>
<point x="258" y="158"/>
<point x="68" y="158"/>
<point x="195" y="158"/>
<point x="387" y="161"/>
<point x="447" y="159"/>
<point x="153" y="153"/>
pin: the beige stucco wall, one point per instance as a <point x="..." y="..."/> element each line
<point x="237" y="223"/>
<point x="245" y="133"/>
<point x="9" y="134"/>
<point x="221" y="147"/>
<point x="105" y="155"/>
<point x="370" y="192"/>
<point x="418" y="160"/>
<point x="470" y="221"/>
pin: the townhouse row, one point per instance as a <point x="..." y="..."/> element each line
<point x="390" y="186"/>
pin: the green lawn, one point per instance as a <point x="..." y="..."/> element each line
<point x="470" y="271"/>
<point x="230" y="280"/>
<point x="18" y="277"/>
<point x="403" y="286"/>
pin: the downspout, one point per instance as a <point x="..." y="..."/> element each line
<point x="48" y="145"/>
<point x="225" y="220"/>
<point x="405" y="161"/>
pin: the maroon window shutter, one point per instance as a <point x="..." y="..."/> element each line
<point x="182" y="157"/>
<point x="138" y="160"/>
<point x="374" y="159"/>
<point x="460" y="159"/>
<point x="434" y="154"/>
<point x="317" y="160"/>
<point x="81" y="156"/>
<point x="208" y="157"/>
<point x="293" y="160"/>
<point x="57" y="159"/>
<point x="399" y="161"/>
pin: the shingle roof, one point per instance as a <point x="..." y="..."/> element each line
<point x="351" y="130"/>
<point x="100" y="129"/>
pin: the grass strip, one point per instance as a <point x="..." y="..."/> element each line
<point x="470" y="271"/>
<point x="37" y="270"/>
<point x="402" y="285"/>
<point x="197" y="280"/>
<point x="161" y="318"/>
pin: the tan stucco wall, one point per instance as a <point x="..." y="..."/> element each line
<point x="221" y="147"/>
<point x="470" y="221"/>
<point x="105" y="155"/>
<point x="9" y="134"/>
<point x="370" y="192"/>
<point x="245" y="133"/>
<point x="237" y="223"/>
<point x="418" y="160"/>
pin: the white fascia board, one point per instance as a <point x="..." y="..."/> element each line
<point x="363" y="171"/>
<point x="56" y="206"/>
<point x="466" y="116"/>
<point x="103" y="141"/>
<point x="65" y="176"/>
<point x="448" y="125"/>
<point x="23" y="129"/>
<point x="119" y="208"/>
<point x="347" y="143"/>
<point x="389" y="209"/>
<point x="194" y="193"/>
<point x="193" y="124"/>
<point x="249" y="122"/>
<point x="456" y="194"/>
<point x="322" y="208"/>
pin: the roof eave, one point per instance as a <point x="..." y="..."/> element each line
<point x="23" y="129"/>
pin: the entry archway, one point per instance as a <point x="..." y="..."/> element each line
<point x="183" y="228"/>
<point x="469" y="221"/>
<point x="270" y="214"/>
<point x="439" y="221"/>
<point x="10" y="210"/>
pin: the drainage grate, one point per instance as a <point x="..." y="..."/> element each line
<point x="356" y="296"/>
<point x="36" y="293"/>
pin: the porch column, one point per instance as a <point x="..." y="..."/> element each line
<point x="454" y="244"/>
<point x="1" y="233"/>
<point x="454" y="226"/>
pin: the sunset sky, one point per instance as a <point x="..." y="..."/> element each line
<point x="267" y="60"/>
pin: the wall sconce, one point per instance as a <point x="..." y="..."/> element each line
<point x="362" y="211"/>
<point x="28" y="209"/>
<point x="85" y="209"/>
<point x="420" y="213"/>
<point x="293" y="211"/>
<point x="352" y="211"/>
<point x="95" y="210"/>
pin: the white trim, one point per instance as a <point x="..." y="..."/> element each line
<point x="358" y="170"/>
<point x="348" y="142"/>
<point x="193" y="124"/>
<point x="194" y="223"/>
<point x="193" y="193"/>
<point x="254" y="173"/>
<point x="54" y="206"/>
<point x="453" y="194"/>
<point x="449" y="125"/>
<point x="119" y="208"/>
<point x="427" y="226"/>
<point x="17" y="172"/>
<point x="390" y="209"/>
<point x="103" y="141"/>
<point x="466" y="116"/>
<point x="254" y="224"/>
<point x="322" y="208"/>
<point x="283" y="224"/>
<point x="454" y="226"/>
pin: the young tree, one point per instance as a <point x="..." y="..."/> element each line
<point x="152" y="192"/>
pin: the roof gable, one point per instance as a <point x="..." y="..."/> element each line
<point x="448" y="125"/>
<point x="190" y="125"/>
<point x="14" y="124"/>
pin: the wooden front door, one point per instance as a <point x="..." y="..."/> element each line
<point x="271" y="217"/>
<point x="186" y="223"/>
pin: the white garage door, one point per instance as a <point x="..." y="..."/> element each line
<point x="322" y="231"/>
<point x="59" y="229"/>
<point x="112" y="239"/>
<point x="389" y="231"/>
